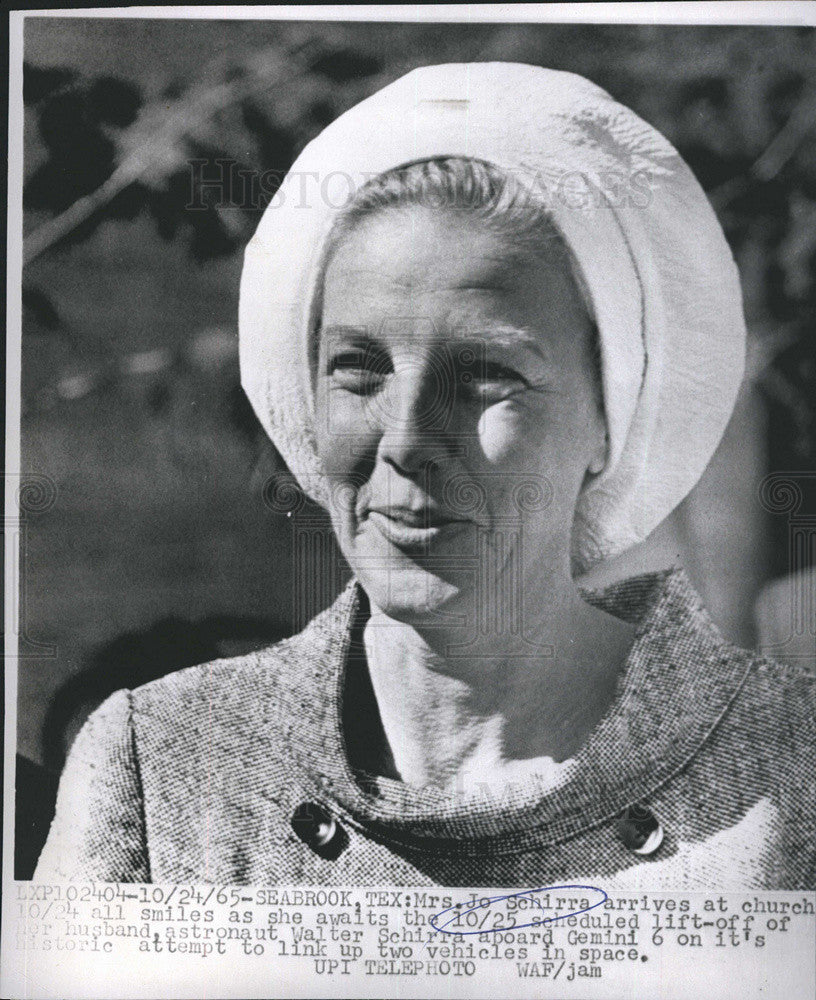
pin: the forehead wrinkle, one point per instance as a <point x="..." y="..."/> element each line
<point x="481" y="273"/>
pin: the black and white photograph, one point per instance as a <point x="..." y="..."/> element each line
<point x="417" y="453"/>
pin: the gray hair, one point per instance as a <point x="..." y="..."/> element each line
<point x="475" y="188"/>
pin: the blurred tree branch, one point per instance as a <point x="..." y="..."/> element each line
<point x="738" y="104"/>
<point x="157" y="143"/>
<point x="780" y="150"/>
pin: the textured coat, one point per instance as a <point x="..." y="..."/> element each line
<point x="195" y="777"/>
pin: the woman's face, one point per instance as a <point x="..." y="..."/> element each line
<point x="457" y="413"/>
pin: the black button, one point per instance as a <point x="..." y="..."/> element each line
<point x="639" y="829"/>
<point x="319" y="830"/>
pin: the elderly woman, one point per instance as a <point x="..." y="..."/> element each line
<point x="493" y="326"/>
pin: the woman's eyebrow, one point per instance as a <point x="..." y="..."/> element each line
<point x="505" y="335"/>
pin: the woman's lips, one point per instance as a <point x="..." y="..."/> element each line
<point x="411" y="529"/>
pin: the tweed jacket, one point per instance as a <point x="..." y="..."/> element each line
<point x="196" y="777"/>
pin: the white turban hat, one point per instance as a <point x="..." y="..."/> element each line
<point x="661" y="278"/>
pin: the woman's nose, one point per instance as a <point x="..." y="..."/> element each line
<point x="414" y="415"/>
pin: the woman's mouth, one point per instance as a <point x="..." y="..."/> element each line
<point x="411" y="529"/>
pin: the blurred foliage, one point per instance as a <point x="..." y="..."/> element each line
<point x="131" y="392"/>
<point x="739" y="104"/>
<point x="112" y="154"/>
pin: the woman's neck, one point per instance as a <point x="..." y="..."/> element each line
<point x="503" y="710"/>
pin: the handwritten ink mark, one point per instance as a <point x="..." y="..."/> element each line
<point x="487" y="902"/>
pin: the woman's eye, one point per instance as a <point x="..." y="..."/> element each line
<point x="499" y="373"/>
<point x="347" y="361"/>
<point x="358" y="371"/>
<point x="494" y="378"/>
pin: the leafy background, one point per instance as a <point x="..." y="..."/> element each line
<point x="160" y="550"/>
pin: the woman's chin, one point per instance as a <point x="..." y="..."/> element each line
<point x="426" y="587"/>
<point x="413" y="595"/>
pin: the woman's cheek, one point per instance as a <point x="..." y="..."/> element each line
<point x="344" y="433"/>
<point x="504" y="432"/>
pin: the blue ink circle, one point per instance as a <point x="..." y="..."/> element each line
<point x="485" y="903"/>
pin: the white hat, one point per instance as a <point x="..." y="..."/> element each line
<point x="662" y="281"/>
